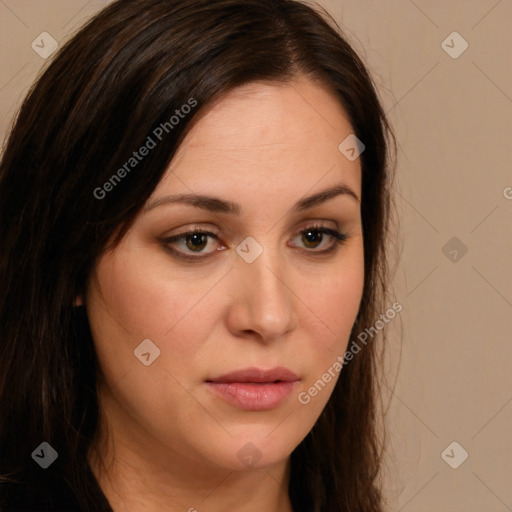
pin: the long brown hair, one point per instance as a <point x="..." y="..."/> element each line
<point x="121" y="76"/>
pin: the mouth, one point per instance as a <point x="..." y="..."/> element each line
<point x="254" y="389"/>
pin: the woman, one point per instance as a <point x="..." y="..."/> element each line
<point x="194" y="203"/>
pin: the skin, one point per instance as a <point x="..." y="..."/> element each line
<point x="173" y="444"/>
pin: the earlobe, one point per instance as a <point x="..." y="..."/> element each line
<point x="78" y="301"/>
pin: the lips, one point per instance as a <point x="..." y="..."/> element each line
<point x="257" y="375"/>
<point x="254" y="389"/>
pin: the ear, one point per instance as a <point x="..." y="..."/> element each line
<point x="78" y="301"/>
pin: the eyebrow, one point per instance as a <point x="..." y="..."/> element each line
<point x="215" y="204"/>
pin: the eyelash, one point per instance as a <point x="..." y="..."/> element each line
<point x="339" y="239"/>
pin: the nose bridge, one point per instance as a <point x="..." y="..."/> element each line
<point x="265" y="296"/>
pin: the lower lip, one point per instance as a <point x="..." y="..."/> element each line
<point x="253" y="396"/>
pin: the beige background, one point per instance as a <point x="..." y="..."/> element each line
<point x="453" y="119"/>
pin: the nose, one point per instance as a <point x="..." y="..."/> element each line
<point x="263" y="301"/>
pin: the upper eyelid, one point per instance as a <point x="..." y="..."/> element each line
<point x="217" y="234"/>
<point x="318" y="223"/>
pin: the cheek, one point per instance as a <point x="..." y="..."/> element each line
<point x="137" y="295"/>
<point x="136" y="299"/>
<point x="333" y="299"/>
<point x="330" y="310"/>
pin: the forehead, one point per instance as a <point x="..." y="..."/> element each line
<point x="270" y="131"/>
<point x="270" y="113"/>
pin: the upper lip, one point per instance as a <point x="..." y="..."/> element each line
<point x="278" y="374"/>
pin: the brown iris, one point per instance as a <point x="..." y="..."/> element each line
<point x="197" y="241"/>
<point x="312" y="236"/>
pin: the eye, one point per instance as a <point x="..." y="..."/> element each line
<point x="194" y="241"/>
<point x="185" y="245"/>
<point x="314" y="236"/>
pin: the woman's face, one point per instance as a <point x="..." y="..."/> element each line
<point x="266" y="296"/>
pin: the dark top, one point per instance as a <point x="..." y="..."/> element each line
<point x="50" y="493"/>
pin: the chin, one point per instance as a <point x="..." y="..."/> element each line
<point x="255" y="452"/>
